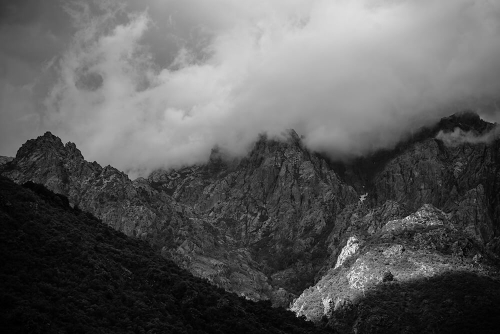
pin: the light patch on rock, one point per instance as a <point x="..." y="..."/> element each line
<point x="426" y="216"/>
<point x="327" y="301"/>
<point x="424" y="269"/>
<point x="394" y="251"/>
<point x="349" y="250"/>
<point x="360" y="275"/>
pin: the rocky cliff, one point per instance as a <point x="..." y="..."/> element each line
<point x="257" y="226"/>
<point x="276" y="222"/>
<point x="137" y="209"/>
<point x="4" y="160"/>
<point x="420" y="254"/>
<point x="279" y="203"/>
<point x="422" y="273"/>
<point x="457" y="174"/>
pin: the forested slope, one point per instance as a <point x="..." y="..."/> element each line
<point x="63" y="271"/>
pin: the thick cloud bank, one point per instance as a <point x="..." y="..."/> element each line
<point x="349" y="75"/>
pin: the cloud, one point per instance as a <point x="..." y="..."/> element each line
<point x="160" y="86"/>
<point x="460" y="137"/>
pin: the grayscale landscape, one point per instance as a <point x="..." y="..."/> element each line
<point x="303" y="166"/>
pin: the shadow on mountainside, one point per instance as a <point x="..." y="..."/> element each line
<point x="63" y="271"/>
<point x="453" y="302"/>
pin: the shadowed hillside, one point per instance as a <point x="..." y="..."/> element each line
<point x="419" y="274"/>
<point x="63" y="271"/>
<point x="454" y="302"/>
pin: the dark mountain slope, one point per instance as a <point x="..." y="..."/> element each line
<point x="63" y="271"/>
<point x="137" y="209"/>
<point x="451" y="302"/>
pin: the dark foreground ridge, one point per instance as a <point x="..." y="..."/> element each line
<point x="63" y="271"/>
<point x="453" y="302"/>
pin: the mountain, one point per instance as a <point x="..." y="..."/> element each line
<point x="4" y="160"/>
<point x="284" y="219"/>
<point x="457" y="174"/>
<point x="137" y="209"/>
<point x="419" y="274"/>
<point x="63" y="271"/>
<point x="420" y="253"/>
<point x="279" y="203"/>
<point x="257" y="227"/>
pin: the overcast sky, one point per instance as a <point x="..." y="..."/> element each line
<point x="143" y="84"/>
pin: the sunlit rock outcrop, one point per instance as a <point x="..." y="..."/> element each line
<point x="423" y="246"/>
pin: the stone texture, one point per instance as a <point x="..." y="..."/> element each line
<point x="462" y="180"/>
<point x="4" y="160"/>
<point x="421" y="245"/>
<point x="348" y="251"/>
<point x="256" y="226"/>
<point x="280" y="203"/>
<point x="431" y="208"/>
<point x="139" y="210"/>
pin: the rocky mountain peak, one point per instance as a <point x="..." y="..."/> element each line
<point x="72" y="151"/>
<point x="466" y="121"/>
<point x="292" y="136"/>
<point x="46" y="143"/>
<point x="50" y="144"/>
<point x="270" y="224"/>
<point x="278" y="203"/>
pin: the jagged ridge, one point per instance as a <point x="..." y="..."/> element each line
<point x="273" y="223"/>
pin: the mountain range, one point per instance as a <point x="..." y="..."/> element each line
<point x="63" y="271"/>
<point x="323" y="238"/>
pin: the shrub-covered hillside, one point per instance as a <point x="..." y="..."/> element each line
<point x="63" y="271"/>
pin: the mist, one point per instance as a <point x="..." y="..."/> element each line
<point x="158" y="84"/>
<point x="459" y="137"/>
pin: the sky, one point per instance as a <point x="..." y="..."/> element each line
<point x="147" y="84"/>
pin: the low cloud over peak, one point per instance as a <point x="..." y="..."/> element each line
<point x="458" y="136"/>
<point x="160" y="86"/>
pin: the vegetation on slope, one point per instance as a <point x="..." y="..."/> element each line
<point x="63" y="271"/>
<point x="453" y="302"/>
<point x="419" y="274"/>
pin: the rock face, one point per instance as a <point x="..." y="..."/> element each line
<point x="431" y="216"/>
<point x="348" y="251"/>
<point x="131" y="207"/>
<point x="257" y="226"/>
<point x="4" y="160"/>
<point x="463" y="179"/>
<point x="276" y="222"/>
<point x="424" y="246"/>
<point x="279" y="203"/>
<point x="137" y="209"/>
